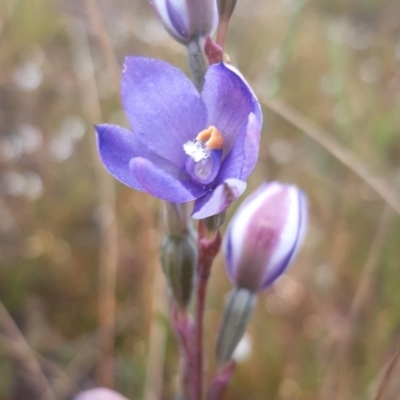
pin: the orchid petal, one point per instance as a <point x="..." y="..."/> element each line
<point x="242" y="158"/>
<point x="162" y="106"/>
<point x="165" y="182"/>
<point x="229" y="102"/>
<point x="117" y="146"/>
<point x="218" y="200"/>
<point x="256" y="105"/>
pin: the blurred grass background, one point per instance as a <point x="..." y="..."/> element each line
<point x="74" y="243"/>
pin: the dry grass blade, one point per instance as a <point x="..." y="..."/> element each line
<point x="108" y="246"/>
<point x="26" y="356"/>
<point x="63" y="383"/>
<point x="361" y="300"/>
<point x="324" y="139"/>
<point x="158" y="333"/>
<point x="387" y="375"/>
<point x="104" y="40"/>
<point x="154" y="286"/>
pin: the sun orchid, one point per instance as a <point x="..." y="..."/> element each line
<point x="184" y="146"/>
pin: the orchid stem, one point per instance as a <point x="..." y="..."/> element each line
<point x="198" y="337"/>
<point x="220" y="381"/>
<point x="197" y="61"/>
<point x="208" y="249"/>
<point x="182" y="326"/>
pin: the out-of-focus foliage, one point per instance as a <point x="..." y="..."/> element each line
<point x="337" y="62"/>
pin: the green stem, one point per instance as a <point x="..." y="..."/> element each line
<point x="197" y="61"/>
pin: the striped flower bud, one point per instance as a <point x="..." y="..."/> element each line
<point x="265" y="234"/>
<point x="186" y="20"/>
<point x="99" y="394"/>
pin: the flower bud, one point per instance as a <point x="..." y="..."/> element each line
<point x="236" y="316"/>
<point x="179" y="256"/>
<point x="99" y="394"/>
<point x="265" y="234"/>
<point x="186" y="20"/>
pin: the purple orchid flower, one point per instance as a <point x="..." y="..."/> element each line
<point x="184" y="146"/>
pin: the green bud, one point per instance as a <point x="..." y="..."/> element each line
<point x="214" y="222"/>
<point x="237" y="314"/>
<point x="179" y="259"/>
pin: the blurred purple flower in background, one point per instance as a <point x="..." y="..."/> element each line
<point x="99" y="394"/>
<point x="265" y="234"/>
<point x="184" y="146"/>
<point x="186" y="20"/>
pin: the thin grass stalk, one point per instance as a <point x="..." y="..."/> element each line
<point x="108" y="247"/>
<point x="156" y="332"/>
<point x="361" y="300"/>
<point x="153" y="387"/>
<point x="26" y="355"/>
<point x="387" y="375"/>
<point x="104" y="41"/>
<point x="325" y="140"/>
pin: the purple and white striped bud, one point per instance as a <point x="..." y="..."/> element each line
<point x="186" y="20"/>
<point x="99" y="394"/>
<point x="265" y="234"/>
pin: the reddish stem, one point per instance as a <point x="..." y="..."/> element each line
<point x="220" y="382"/>
<point x="183" y="326"/>
<point x="208" y="249"/>
<point x="214" y="53"/>
<point x="221" y="32"/>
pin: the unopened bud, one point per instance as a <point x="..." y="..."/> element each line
<point x="99" y="394"/>
<point x="187" y="20"/>
<point x="179" y="259"/>
<point x="265" y="234"/>
<point x="236" y="317"/>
